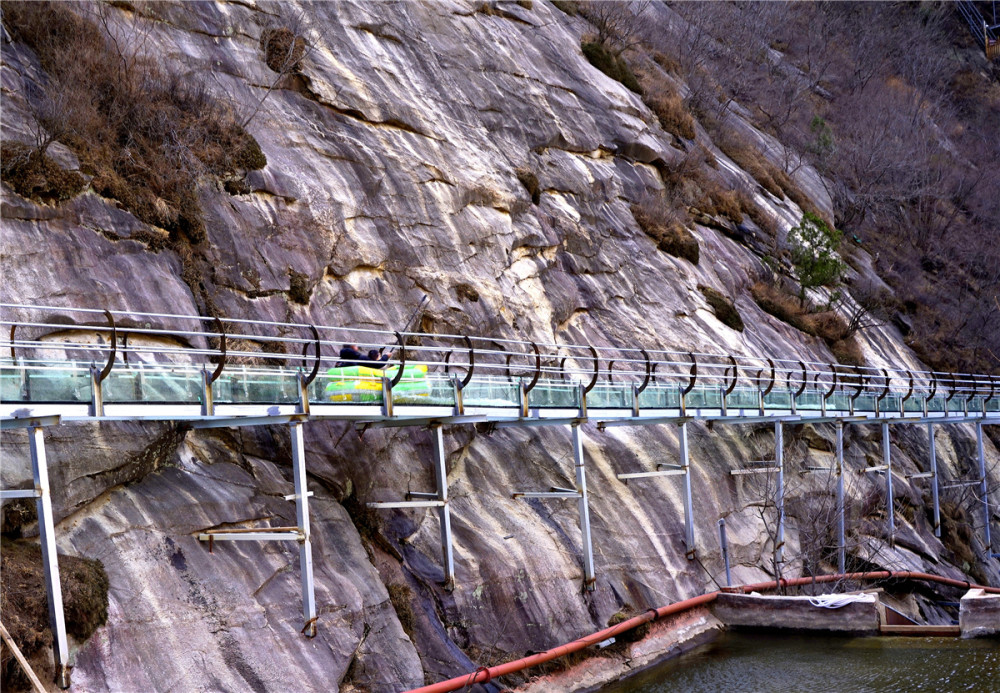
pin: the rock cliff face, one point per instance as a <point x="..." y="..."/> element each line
<point x="391" y="173"/>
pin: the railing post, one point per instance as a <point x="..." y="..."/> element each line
<point x="841" y="539"/>
<point x="303" y="404"/>
<point x="581" y="487"/>
<point x="387" y="396"/>
<point x="984" y="488"/>
<point x="207" y="398"/>
<point x="890" y="502"/>
<point x="50" y="560"/>
<point x="934" y="480"/>
<point x="688" y="509"/>
<point x="444" y="512"/>
<point x="96" y="392"/>
<point x="456" y="388"/>
<point x="302" y="518"/>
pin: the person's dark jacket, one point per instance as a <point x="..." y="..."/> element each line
<point x="353" y="357"/>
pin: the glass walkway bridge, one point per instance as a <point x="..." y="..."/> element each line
<point x="69" y="364"/>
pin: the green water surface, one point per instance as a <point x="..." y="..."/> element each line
<point x="770" y="663"/>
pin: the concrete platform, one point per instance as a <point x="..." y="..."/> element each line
<point x="979" y="614"/>
<point x="860" y="617"/>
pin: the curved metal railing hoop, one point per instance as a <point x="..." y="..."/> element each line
<point x="114" y="348"/>
<point x="993" y="387"/>
<point x="770" y="385"/>
<point x="888" y="380"/>
<point x="694" y="374"/>
<point x="735" y="376"/>
<point x="402" y="361"/>
<point x="13" y="356"/>
<point x="611" y="368"/>
<point x="472" y="363"/>
<point x="975" y="389"/>
<point x="860" y="387"/>
<point x="447" y="358"/>
<point x="597" y="369"/>
<point x="954" y="388"/>
<point x="507" y="354"/>
<point x="909" y="393"/>
<point x="833" y="385"/>
<point x="652" y="373"/>
<point x="222" y="351"/>
<point x="934" y="386"/>
<point x="305" y="349"/>
<point x="805" y="381"/>
<point x="562" y="367"/>
<point x="649" y="370"/>
<point x="538" y="369"/>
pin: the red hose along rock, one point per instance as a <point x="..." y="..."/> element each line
<point x="484" y="674"/>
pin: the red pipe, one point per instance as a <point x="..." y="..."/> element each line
<point x="485" y="674"/>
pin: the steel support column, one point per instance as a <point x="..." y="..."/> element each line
<point x="841" y="539"/>
<point x="890" y="502"/>
<point x="779" y="459"/>
<point x="302" y="517"/>
<point x="725" y="549"/>
<point x="688" y="509"/>
<point x="50" y="561"/>
<point x="934" y="480"/>
<point x="984" y="488"/>
<point x="444" y="512"/>
<point x="581" y="487"/>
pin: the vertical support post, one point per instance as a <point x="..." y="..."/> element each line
<point x="841" y="540"/>
<point x="934" y="480"/>
<point x="96" y="392"/>
<point x="688" y="510"/>
<point x="302" y="518"/>
<point x="581" y="486"/>
<point x="725" y="549"/>
<point x="984" y="488"/>
<point x="50" y="561"/>
<point x="890" y="502"/>
<point x="522" y="399"/>
<point x="444" y="512"/>
<point x="779" y="459"/>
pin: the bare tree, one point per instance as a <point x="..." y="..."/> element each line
<point x="620" y="24"/>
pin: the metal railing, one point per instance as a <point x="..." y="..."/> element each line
<point x="165" y="357"/>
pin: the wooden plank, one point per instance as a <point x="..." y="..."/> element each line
<point x="36" y="684"/>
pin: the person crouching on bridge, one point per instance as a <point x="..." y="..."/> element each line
<point x="350" y="355"/>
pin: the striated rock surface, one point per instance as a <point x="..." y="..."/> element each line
<point x="392" y="173"/>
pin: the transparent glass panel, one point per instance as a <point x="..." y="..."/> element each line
<point x="561" y="394"/>
<point x="490" y="391"/>
<point x="913" y="404"/>
<point x="704" y="398"/>
<point x="12" y="385"/>
<point x="660" y="397"/>
<point x="935" y="404"/>
<point x="610" y="396"/>
<point x="43" y="384"/>
<point x="743" y="398"/>
<point x="864" y="403"/>
<point x="810" y="400"/>
<point x="778" y="399"/>
<point x="158" y="384"/>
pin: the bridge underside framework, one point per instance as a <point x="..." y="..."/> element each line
<point x="202" y="386"/>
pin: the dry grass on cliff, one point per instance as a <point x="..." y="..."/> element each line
<point x="827" y="325"/>
<point x="663" y="223"/>
<point x="24" y="605"/>
<point x="144" y="135"/>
